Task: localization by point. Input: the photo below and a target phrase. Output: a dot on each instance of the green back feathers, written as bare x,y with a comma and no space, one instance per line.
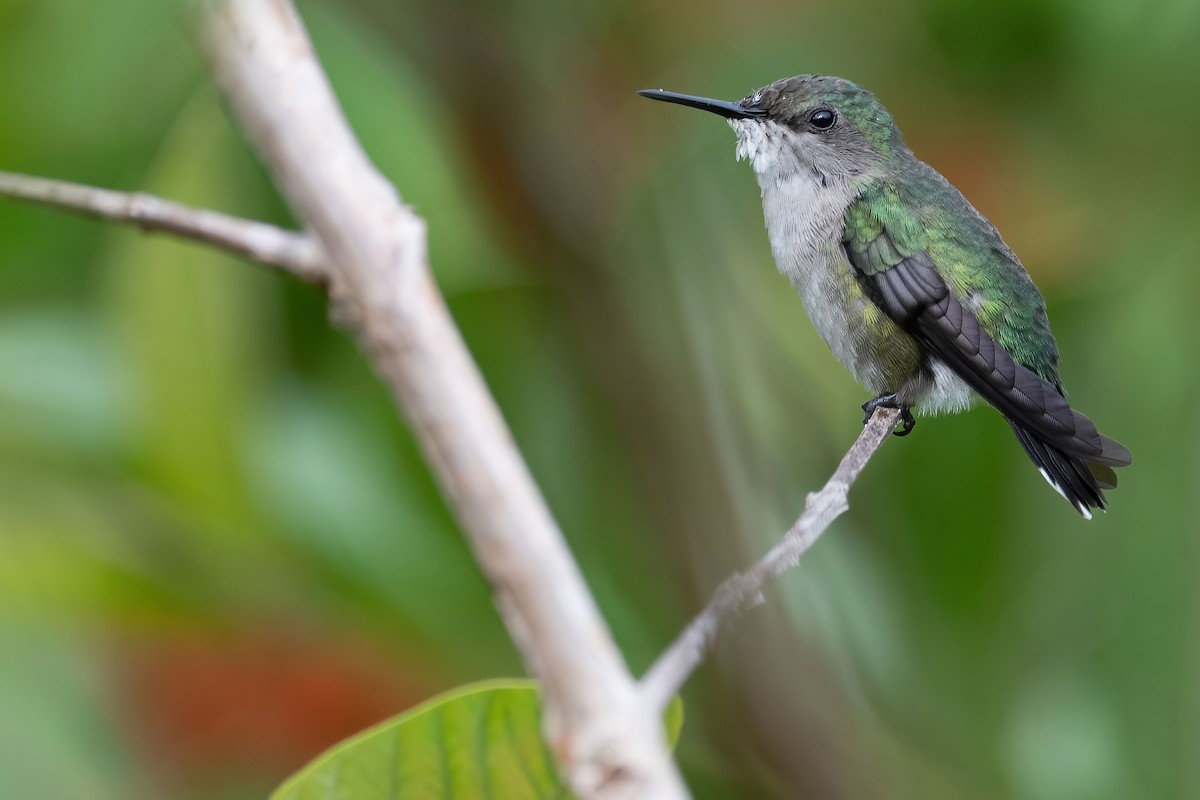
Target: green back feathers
922,212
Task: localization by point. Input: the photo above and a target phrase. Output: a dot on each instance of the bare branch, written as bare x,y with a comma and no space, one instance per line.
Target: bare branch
296,253
743,590
608,742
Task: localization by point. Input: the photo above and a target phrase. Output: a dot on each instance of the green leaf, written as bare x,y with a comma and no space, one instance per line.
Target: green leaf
478,741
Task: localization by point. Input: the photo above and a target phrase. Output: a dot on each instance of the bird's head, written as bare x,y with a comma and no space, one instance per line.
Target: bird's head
827,125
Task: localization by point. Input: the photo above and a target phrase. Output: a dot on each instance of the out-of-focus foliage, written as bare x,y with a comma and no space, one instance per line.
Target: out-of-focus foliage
220,551
477,741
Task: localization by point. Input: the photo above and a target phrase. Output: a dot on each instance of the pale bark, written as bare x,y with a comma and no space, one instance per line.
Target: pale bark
609,744
292,252
743,590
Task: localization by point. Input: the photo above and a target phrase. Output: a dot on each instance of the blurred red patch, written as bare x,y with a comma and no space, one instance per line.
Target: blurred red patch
252,705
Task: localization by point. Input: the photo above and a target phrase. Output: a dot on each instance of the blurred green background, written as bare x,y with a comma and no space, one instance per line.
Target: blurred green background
220,551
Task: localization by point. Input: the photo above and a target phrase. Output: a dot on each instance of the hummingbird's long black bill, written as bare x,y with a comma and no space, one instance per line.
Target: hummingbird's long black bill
721,107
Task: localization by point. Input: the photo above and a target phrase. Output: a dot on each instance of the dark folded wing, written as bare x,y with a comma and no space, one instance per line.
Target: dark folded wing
916,297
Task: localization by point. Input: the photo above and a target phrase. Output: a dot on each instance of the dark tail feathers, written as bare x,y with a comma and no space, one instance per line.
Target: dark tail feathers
1080,478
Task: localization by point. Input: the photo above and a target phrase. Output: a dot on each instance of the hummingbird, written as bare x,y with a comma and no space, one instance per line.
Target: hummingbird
912,289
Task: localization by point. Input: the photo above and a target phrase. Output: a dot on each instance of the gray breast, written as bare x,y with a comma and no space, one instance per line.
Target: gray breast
804,222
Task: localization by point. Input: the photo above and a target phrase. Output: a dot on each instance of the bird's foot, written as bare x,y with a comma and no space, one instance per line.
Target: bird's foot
889,401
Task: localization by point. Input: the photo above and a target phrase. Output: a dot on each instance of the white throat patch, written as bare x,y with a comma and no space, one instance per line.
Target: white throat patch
761,143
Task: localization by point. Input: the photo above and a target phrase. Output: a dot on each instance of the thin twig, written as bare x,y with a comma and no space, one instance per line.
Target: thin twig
608,742
743,590
289,251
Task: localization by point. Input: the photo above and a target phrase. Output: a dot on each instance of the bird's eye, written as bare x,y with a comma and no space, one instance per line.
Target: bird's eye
822,119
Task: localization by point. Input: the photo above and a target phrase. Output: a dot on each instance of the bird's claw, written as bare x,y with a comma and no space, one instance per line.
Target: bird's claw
907,422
